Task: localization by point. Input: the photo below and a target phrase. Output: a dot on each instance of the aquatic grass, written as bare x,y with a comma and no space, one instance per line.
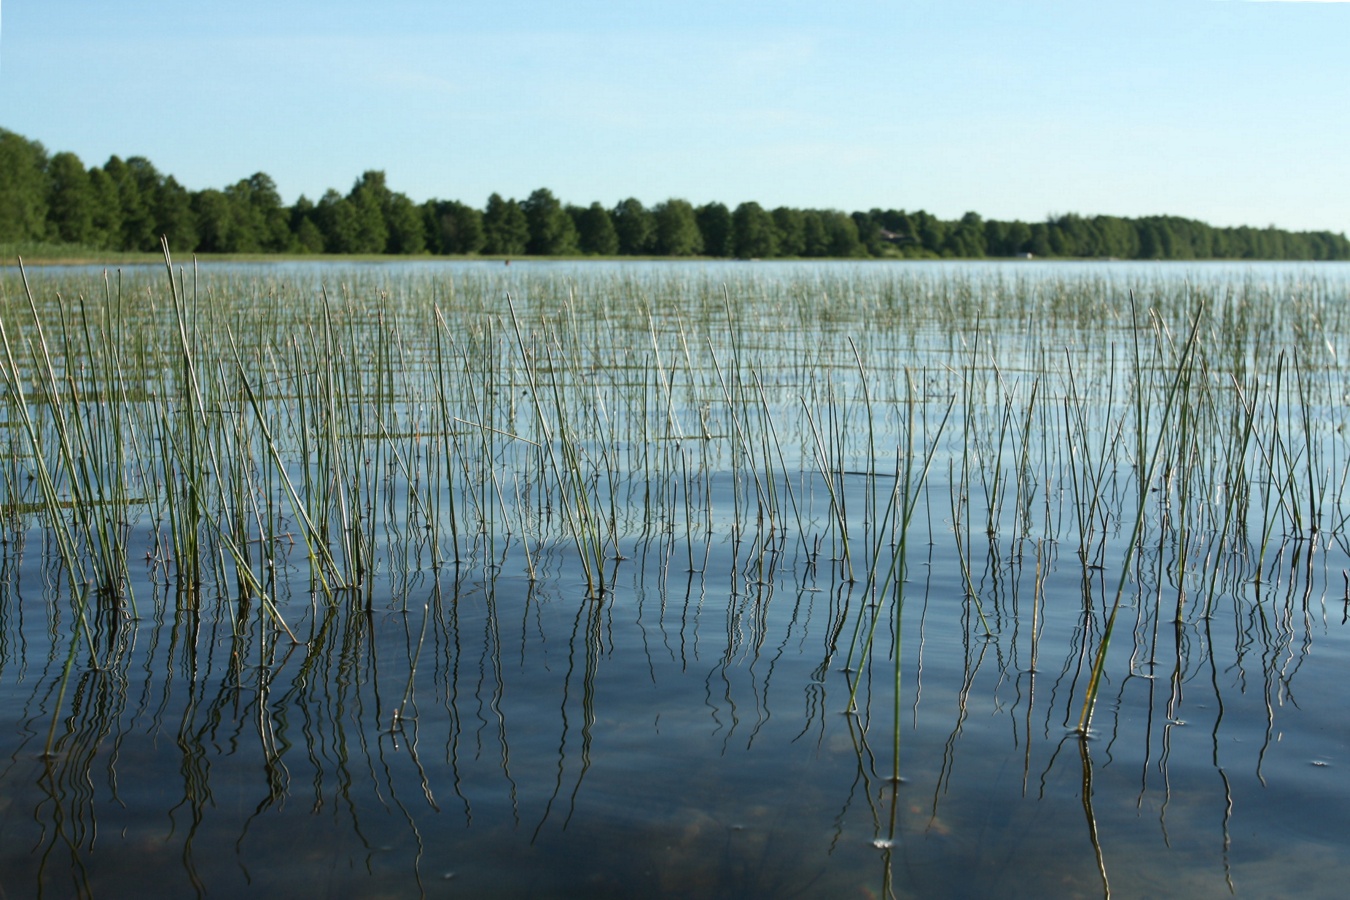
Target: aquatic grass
764,468
888,581
1146,463
401,430
70,486
567,472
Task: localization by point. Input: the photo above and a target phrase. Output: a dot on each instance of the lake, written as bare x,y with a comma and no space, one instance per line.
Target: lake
682,579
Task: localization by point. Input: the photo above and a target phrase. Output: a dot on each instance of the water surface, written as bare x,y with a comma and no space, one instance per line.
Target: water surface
811,609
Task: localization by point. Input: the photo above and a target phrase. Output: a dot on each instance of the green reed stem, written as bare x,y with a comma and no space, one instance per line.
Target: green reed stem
1145,479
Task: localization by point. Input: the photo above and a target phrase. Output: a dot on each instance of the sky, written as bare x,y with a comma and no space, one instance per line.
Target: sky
1230,111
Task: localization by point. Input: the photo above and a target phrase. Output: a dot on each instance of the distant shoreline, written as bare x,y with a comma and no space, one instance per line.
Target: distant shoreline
154,259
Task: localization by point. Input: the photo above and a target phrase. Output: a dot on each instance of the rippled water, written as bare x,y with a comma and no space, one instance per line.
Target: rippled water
717,721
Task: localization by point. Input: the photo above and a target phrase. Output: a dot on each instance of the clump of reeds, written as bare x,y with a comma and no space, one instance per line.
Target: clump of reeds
250,429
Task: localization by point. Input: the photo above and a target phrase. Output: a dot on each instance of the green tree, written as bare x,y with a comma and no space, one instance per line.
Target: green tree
551,230
1019,237
252,219
714,225
107,212
1325,244
1220,248
677,231
1150,240
137,225
1039,243
369,197
869,232
635,227
1073,235
1118,237
23,188
1063,236
453,227
307,238
264,201
815,236
171,210
996,238
931,232
595,230
842,231
791,226
899,223
900,232
70,200
505,229
336,217
966,238
141,230
407,233
431,227
215,221
246,217
754,235
1189,240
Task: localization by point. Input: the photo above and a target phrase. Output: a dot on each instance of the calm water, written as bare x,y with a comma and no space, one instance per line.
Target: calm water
717,723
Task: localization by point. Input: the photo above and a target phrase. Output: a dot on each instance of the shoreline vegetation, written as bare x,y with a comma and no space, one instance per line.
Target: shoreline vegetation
39,256
54,209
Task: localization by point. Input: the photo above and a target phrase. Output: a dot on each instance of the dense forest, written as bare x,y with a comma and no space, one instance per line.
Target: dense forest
126,205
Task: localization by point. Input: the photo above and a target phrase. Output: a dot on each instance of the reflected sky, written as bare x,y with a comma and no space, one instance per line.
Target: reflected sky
784,624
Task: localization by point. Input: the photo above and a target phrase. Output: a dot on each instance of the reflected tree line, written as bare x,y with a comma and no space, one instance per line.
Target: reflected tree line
126,205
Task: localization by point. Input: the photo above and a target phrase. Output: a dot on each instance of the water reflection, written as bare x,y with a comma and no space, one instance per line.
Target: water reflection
690,721
822,624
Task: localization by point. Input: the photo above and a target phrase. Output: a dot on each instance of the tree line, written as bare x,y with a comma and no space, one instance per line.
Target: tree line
126,205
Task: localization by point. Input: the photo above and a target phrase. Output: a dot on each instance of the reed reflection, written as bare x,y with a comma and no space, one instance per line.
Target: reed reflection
630,589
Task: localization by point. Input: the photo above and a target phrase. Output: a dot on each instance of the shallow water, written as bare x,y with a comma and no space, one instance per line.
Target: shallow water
465,729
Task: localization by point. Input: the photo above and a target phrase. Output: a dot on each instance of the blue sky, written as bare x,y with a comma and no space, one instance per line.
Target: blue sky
1229,111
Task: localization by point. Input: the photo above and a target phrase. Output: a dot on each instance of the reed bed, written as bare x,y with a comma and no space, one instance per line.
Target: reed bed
236,431
1099,460
391,428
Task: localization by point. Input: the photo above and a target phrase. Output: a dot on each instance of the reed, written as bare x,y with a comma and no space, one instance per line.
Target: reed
1148,461
383,427
361,500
